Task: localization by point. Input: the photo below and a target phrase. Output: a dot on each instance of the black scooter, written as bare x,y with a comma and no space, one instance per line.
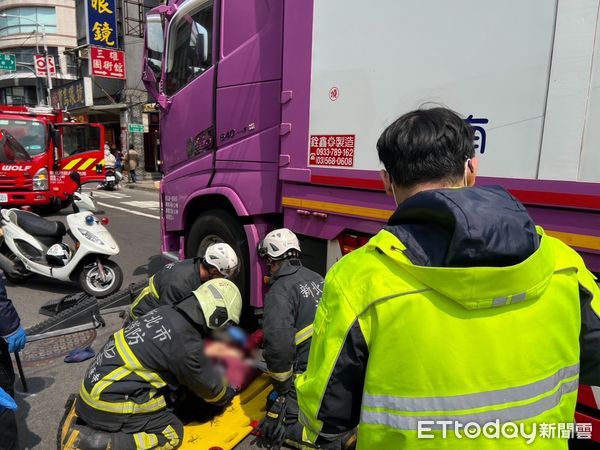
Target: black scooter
111,179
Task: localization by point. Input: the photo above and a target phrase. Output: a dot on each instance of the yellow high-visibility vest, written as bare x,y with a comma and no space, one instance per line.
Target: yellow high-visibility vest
451,347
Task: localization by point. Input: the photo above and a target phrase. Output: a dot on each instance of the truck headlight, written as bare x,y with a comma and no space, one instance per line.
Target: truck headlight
40,180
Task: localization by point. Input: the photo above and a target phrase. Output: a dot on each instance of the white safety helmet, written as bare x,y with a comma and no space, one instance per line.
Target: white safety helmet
223,258
278,243
220,301
58,255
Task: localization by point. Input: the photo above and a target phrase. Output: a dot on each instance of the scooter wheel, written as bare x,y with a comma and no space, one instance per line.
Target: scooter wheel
90,281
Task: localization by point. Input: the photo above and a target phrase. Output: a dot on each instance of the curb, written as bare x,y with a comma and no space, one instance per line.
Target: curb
138,186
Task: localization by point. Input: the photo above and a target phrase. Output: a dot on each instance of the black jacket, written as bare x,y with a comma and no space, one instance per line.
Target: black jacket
172,283
168,342
289,308
9,319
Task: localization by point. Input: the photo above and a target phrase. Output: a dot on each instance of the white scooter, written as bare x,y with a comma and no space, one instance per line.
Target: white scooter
34,245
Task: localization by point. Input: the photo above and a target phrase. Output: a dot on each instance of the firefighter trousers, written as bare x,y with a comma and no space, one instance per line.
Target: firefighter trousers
158,430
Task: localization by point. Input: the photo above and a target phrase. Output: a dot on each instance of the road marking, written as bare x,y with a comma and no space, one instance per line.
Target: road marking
129,211
101,194
150,204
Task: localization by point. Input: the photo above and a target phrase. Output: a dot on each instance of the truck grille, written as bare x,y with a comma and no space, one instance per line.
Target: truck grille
14,184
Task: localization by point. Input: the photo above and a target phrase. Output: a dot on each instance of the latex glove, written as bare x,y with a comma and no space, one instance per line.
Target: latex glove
237,335
16,341
6,401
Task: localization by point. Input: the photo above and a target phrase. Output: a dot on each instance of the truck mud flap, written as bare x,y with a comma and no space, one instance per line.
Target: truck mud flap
80,312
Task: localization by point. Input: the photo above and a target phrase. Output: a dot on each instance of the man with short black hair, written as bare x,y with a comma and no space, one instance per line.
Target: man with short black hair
460,310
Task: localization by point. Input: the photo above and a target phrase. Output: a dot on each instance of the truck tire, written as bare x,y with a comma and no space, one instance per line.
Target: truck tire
214,226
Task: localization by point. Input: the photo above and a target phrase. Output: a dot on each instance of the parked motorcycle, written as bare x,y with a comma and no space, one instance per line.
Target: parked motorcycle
33,245
111,179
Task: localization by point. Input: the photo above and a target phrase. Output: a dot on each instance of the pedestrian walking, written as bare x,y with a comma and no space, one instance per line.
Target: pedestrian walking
460,311
132,163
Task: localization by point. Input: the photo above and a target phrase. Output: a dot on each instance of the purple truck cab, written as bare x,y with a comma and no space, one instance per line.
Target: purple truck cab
270,111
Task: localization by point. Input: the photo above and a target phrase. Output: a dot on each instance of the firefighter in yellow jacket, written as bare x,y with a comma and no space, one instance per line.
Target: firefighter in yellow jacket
459,314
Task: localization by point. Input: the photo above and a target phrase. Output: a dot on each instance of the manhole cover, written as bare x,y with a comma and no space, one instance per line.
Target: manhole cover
57,346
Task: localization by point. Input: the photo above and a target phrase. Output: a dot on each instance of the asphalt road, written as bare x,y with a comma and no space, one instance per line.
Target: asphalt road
134,222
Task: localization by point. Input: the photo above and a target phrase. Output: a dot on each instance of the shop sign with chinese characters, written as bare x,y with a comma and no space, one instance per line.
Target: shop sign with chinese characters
107,63
102,23
75,95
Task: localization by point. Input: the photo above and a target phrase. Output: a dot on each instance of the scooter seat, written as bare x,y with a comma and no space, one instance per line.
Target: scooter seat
40,227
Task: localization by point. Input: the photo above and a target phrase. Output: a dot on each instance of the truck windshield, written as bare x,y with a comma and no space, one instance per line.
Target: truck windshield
31,134
11,150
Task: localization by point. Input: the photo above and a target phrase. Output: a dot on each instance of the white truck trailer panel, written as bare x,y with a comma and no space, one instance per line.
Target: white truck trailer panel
589,166
493,60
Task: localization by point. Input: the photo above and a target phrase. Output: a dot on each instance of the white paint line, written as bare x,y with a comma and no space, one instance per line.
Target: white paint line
149,204
101,194
129,211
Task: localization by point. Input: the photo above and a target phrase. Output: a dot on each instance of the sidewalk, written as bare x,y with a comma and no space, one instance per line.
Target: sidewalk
144,185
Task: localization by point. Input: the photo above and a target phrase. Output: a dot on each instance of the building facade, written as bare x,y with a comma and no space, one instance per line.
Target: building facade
21,24
120,103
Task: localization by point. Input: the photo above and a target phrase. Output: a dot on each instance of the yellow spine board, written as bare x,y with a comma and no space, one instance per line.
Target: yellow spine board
230,428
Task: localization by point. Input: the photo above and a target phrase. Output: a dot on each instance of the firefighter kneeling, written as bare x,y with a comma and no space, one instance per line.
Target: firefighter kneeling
122,397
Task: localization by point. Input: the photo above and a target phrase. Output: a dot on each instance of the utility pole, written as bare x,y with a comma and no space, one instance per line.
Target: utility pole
47,59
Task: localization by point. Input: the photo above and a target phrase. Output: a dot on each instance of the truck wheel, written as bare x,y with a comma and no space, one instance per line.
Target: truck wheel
90,282
215,226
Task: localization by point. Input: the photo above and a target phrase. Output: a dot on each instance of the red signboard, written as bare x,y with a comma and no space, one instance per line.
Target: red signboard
332,150
40,65
107,63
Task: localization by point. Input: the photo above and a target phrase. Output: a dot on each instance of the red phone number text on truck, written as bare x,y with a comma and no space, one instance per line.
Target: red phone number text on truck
332,150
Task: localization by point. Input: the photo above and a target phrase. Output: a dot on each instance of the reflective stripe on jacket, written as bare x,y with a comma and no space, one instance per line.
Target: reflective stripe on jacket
396,344
162,350
289,311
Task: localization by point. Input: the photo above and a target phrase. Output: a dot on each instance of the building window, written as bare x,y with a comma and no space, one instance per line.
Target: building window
18,95
24,20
